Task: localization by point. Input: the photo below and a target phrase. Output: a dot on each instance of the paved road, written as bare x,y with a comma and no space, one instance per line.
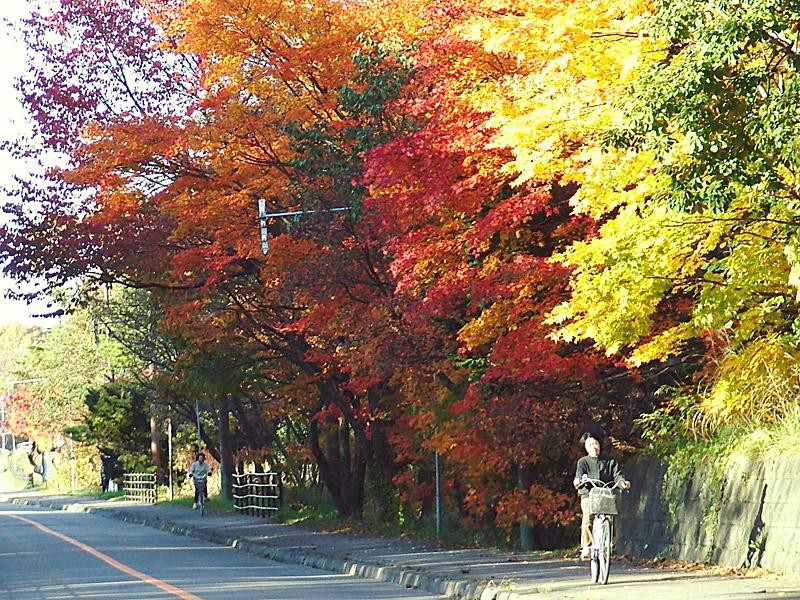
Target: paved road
195,565
41,559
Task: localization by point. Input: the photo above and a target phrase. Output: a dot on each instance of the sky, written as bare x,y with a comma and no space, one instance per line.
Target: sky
13,122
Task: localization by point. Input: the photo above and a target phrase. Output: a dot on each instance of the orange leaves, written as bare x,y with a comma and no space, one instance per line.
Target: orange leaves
537,505
419,314
287,52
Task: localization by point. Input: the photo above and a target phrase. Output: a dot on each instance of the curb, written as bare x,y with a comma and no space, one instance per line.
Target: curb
408,578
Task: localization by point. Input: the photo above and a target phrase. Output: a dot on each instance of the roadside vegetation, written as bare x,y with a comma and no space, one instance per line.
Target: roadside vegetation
508,224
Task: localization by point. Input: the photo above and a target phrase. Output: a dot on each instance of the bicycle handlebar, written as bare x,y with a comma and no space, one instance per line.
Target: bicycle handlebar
598,483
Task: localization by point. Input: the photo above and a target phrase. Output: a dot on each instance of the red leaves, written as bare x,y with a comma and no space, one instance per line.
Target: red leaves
330,413
471,256
420,317
513,215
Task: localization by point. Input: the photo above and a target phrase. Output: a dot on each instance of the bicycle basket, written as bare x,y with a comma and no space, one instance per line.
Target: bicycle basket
602,501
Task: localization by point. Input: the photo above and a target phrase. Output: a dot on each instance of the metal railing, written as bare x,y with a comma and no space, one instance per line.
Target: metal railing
257,494
140,487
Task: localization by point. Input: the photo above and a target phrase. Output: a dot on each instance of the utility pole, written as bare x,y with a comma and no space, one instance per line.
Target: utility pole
169,450
438,498
197,417
264,216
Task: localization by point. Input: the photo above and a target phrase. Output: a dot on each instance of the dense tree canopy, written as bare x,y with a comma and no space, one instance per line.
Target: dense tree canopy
545,211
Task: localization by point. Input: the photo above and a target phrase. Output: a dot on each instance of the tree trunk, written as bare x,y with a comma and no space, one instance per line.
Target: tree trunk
225,449
211,447
524,481
344,479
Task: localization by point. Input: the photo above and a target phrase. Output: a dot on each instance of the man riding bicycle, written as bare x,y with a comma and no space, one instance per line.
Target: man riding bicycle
593,466
199,472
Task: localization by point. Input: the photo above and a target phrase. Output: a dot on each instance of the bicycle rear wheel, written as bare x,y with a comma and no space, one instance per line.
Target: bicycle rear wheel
604,553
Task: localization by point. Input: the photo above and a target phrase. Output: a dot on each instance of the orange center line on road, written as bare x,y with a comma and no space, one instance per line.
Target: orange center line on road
162,585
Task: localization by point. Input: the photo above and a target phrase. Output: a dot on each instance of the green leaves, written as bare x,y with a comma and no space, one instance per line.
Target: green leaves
702,252
118,423
721,111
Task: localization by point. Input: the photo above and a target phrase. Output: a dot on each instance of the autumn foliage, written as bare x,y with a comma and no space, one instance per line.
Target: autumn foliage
504,264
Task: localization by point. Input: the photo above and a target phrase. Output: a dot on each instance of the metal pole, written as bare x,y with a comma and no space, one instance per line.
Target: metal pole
72,465
263,216
438,500
262,222
3,420
169,450
197,415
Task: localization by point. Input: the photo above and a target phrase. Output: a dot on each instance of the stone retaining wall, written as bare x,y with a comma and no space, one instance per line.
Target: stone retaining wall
754,522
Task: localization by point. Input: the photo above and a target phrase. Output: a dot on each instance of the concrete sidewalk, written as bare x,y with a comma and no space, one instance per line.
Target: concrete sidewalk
471,573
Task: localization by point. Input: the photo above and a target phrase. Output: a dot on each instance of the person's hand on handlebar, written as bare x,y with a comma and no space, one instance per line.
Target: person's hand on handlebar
579,482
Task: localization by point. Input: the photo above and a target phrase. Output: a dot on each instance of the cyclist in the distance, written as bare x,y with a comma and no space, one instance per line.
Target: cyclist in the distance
199,472
593,466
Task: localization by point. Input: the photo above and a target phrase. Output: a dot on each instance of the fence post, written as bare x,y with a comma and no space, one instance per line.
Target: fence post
235,491
263,500
273,491
250,509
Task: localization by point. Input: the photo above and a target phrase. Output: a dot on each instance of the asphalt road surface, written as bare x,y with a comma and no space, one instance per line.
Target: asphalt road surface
54,555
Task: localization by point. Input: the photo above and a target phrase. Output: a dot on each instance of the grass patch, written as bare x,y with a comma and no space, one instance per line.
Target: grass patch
453,534
9,483
96,494
216,503
777,439
311,507
320,517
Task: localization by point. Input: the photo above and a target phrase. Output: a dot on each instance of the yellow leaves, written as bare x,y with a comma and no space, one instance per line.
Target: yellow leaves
792,253
490,325
397,21
757,384
436,263
611,178
574,59
620,277
664,345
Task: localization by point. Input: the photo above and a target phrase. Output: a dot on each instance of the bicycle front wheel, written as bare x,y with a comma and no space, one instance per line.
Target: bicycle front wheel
597,537
604,553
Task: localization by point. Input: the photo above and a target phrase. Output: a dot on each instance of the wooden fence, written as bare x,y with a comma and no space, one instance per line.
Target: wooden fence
140,487
257,494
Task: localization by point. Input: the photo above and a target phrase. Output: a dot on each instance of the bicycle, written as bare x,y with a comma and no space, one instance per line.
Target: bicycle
603,505
200,486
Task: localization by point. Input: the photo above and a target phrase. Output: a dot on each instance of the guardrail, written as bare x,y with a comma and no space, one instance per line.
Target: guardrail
140,487
257,494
